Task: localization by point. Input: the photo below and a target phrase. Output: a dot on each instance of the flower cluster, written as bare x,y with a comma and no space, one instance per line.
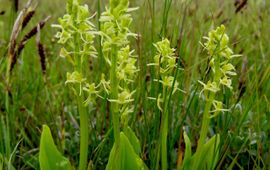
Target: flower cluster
77,35
115,26
77,22
222,69
115,23
165,60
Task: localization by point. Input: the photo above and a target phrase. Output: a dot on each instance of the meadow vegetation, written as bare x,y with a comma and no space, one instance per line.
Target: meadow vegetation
125,84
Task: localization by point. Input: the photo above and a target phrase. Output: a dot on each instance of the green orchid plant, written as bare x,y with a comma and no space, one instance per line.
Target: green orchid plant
76,29
115,23
217,46
165,63
77,35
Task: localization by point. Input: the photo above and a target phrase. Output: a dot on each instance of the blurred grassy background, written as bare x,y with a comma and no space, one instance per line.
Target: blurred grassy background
43,99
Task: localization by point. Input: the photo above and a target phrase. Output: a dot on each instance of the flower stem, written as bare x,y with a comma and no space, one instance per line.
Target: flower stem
204,130
206,116
164,133
84,129
114,95
83,134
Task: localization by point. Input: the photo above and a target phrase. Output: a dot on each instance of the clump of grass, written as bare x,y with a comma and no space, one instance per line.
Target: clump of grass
14,50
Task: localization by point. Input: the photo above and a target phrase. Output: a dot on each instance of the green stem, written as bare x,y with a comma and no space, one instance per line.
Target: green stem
8,83
114,95
206,120
153,26
206,116
84,131
164,133
7,105
100,54
204,130
166,10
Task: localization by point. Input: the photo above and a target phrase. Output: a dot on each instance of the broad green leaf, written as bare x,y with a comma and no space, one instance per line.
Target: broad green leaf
209,157
210,153
188,146
213,150
134,141
49,157
187,163
123,157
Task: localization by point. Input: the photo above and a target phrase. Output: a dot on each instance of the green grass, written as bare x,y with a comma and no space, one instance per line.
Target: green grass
38,99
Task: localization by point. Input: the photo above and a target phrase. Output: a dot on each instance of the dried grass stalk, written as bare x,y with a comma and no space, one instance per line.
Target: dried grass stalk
41,51
17,27
25,39
27,18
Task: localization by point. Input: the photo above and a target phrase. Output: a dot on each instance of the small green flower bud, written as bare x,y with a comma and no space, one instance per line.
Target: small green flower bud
226,82
228,69
210,86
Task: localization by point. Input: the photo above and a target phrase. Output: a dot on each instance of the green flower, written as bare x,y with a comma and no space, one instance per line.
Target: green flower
221,54
115,23
217,41
218,107
67,55
77,21
126,64
105,85
75,77
124,97
76,28
210,86
118,7
164,49
228,69
165,60
92,92
226,82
